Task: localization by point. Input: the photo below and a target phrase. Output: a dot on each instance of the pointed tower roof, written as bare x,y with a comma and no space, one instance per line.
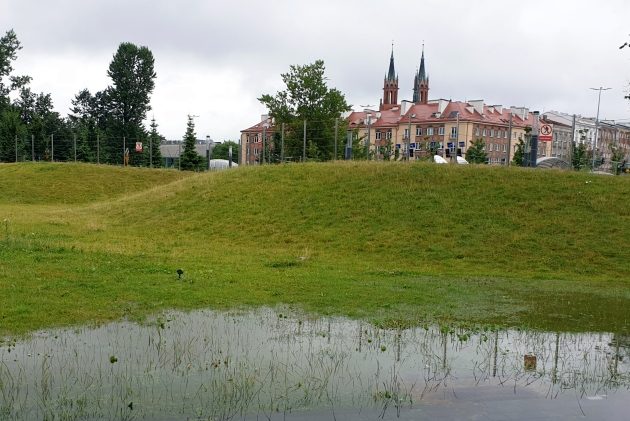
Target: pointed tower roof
391,75
422,72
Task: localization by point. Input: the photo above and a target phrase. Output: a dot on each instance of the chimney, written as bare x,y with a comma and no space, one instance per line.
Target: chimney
478,105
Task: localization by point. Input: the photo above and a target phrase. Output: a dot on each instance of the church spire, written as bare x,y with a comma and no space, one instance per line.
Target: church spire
390,86
421,83
422,73
391,75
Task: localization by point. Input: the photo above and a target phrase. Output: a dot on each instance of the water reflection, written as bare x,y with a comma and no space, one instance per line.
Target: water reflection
269,365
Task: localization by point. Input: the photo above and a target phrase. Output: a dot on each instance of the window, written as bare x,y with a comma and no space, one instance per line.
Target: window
418,131
453,132
504,148
441,131
505,134
489,146
496,146
484,132
388,135
429,131
476,131
406,134
378,135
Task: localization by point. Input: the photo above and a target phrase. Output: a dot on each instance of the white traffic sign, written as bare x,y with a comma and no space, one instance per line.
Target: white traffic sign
545,133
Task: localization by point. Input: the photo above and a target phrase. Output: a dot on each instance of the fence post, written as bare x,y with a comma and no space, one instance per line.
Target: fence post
282,145
304,146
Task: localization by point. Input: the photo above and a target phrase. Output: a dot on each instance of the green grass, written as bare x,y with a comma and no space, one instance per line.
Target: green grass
394,243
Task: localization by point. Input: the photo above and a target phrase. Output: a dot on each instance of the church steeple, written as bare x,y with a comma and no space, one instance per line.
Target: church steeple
421,84
390,86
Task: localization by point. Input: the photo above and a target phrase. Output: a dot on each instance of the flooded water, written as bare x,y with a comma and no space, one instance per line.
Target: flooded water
263,365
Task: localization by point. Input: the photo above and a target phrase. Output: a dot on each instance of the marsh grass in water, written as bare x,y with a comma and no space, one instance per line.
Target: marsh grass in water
243,365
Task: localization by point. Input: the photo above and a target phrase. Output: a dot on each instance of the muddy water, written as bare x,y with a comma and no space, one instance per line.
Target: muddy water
270,365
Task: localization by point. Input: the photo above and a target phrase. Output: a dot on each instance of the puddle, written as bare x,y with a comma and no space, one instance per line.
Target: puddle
210,365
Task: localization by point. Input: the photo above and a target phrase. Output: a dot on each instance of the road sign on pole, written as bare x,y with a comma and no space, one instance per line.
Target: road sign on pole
545,133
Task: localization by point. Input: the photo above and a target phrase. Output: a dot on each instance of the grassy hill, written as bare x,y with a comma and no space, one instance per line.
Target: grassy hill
395,243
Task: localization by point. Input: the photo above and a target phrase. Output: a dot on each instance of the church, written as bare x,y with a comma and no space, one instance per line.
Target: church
416,129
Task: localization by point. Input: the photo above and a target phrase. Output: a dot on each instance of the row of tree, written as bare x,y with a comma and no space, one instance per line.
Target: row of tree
101,127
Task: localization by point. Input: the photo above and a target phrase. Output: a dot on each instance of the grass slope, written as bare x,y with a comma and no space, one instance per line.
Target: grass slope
392,242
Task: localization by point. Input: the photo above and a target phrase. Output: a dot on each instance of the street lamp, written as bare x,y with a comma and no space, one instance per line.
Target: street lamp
599,98
264,141
408,144
368,119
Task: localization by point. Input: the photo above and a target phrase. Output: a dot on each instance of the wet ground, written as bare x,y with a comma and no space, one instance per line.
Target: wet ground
265,365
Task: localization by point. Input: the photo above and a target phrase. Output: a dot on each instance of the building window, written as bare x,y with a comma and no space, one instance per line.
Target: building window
406,134
476,131
418,131
505,134
489,146
453,132
378,135
484,132
388,135
429,131
441,131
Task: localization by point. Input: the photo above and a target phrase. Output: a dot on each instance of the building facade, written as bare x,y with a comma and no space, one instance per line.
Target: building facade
418,128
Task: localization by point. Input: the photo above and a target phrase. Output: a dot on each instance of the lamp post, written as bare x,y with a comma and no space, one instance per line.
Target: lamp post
208,150
599,98
368,118
264,141
408,144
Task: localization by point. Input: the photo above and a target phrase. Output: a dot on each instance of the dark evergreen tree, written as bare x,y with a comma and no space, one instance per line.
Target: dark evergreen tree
127,100
190,160
476,153
153,156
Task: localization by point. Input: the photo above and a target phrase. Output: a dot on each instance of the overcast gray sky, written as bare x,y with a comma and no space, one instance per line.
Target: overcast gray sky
215,58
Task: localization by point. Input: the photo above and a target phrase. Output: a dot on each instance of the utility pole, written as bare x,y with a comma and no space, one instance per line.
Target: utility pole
509,139
599,98
456,145
367,144
264,142
572,145
533,156
336,129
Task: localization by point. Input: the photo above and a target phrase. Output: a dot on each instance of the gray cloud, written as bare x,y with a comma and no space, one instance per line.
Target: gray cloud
538,53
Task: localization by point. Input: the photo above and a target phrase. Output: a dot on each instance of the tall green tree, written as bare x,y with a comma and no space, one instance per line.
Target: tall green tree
190,160
617,159
153,156
308,98
221,151
519,153
579,156
476,153
127,100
